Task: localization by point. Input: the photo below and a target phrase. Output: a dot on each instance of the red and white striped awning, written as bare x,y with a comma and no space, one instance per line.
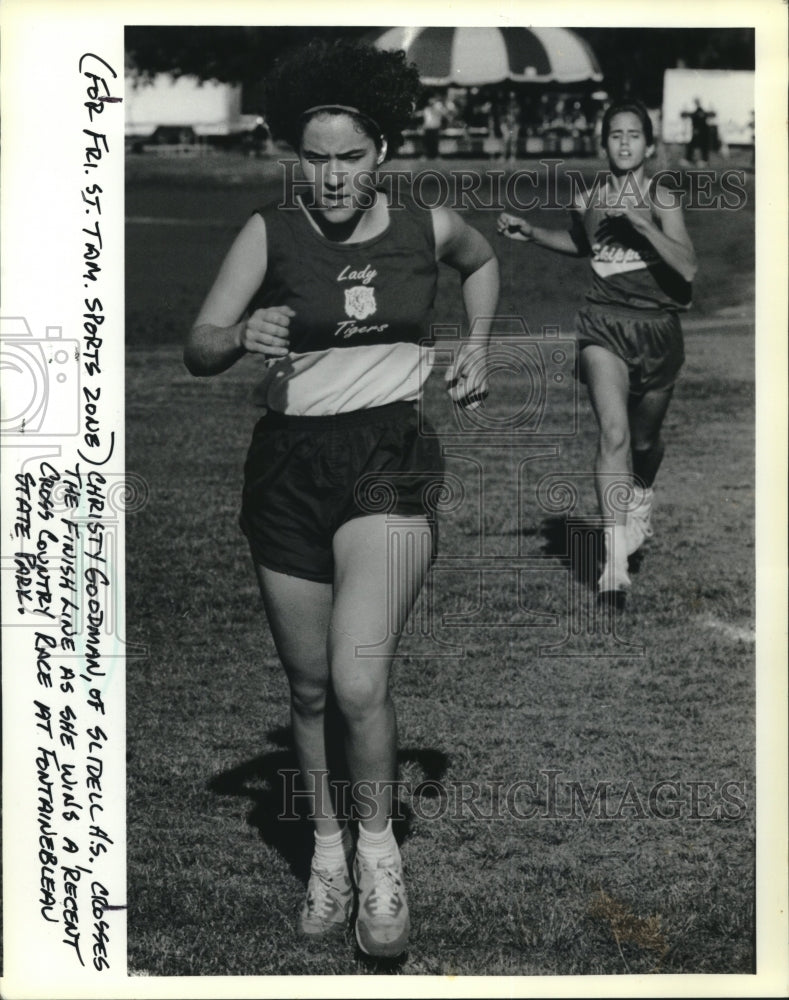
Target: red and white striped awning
469,57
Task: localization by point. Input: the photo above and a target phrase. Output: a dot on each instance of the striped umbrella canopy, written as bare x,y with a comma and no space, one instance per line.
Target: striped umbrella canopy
473,57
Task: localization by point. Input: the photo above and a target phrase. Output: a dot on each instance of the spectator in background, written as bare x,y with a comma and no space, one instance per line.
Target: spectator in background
698,148
580,129
432,120
259,138
452,114
511,128
492,142
580,124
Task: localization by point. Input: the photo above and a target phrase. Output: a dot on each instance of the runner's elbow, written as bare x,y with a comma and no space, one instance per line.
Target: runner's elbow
192,363
193,357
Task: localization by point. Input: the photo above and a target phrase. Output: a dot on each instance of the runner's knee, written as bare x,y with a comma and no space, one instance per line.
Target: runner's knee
359,693
614,438
308,700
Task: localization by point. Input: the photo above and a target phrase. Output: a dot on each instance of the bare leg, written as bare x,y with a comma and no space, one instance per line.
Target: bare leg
607,380
299,612
380,565
646,418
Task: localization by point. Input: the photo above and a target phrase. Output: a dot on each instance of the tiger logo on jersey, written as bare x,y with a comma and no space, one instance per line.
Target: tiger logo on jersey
360,302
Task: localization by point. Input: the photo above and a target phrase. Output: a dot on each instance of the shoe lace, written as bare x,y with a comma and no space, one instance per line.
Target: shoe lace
319,893
385,896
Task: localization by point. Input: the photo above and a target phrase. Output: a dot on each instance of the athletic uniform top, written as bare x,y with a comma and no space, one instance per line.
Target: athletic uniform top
361,311
627,272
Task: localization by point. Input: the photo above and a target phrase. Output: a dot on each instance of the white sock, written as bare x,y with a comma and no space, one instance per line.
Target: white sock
618,555
374,846
333,850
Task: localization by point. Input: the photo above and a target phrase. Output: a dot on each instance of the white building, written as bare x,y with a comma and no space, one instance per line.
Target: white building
728,94
207,108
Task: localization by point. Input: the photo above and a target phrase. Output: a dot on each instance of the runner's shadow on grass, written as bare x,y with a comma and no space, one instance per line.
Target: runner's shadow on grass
578,544
280,813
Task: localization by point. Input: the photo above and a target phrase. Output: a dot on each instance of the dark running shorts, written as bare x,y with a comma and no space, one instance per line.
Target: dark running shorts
652,347
305,477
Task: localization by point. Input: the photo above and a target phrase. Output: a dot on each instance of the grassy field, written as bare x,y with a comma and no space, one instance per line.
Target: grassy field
654,707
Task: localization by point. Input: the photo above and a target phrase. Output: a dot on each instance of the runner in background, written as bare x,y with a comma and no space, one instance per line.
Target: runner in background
629,334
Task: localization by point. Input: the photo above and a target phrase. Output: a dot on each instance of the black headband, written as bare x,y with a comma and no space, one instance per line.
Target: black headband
348,110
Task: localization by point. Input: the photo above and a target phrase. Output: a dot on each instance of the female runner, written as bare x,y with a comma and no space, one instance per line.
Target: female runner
629,334
331,293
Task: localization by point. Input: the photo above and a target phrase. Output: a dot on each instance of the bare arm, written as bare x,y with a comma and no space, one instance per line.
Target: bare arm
467,251
670,239
219,336
561,240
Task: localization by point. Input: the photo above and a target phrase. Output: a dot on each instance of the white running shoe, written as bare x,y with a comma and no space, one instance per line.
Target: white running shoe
614,578
382,923
327,908
639,519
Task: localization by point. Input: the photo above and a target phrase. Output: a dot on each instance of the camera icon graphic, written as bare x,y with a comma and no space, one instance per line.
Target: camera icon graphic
531,380
40,381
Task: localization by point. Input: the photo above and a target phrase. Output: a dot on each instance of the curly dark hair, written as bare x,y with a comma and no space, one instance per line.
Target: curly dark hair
635,107
382,85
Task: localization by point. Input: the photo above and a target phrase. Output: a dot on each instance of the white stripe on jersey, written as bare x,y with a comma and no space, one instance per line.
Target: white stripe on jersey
605,268
338,380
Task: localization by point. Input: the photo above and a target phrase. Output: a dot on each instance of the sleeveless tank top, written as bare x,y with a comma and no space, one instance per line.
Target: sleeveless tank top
361,312
627,272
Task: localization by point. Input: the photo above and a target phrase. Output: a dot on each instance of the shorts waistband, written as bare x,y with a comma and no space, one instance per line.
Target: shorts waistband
389,413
